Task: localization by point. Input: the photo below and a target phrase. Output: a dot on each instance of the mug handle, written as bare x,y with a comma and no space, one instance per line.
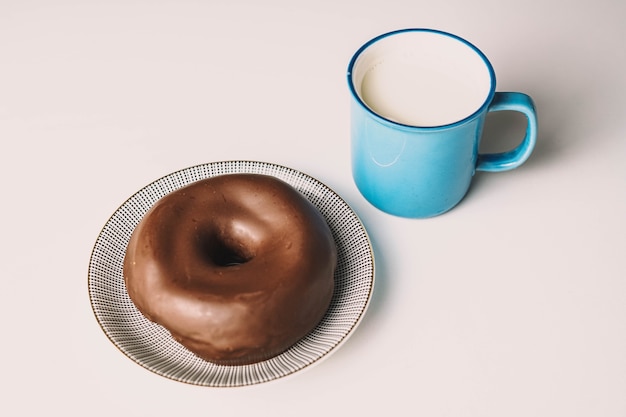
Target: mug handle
505,161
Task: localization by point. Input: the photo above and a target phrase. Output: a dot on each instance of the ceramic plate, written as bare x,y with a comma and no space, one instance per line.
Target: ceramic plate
152,347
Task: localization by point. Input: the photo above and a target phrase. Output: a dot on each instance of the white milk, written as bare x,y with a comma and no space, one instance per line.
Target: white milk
422,79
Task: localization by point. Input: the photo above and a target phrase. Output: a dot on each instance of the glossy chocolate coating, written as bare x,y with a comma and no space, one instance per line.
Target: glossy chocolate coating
237,267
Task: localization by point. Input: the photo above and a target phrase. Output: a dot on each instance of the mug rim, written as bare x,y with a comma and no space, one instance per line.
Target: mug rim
384,120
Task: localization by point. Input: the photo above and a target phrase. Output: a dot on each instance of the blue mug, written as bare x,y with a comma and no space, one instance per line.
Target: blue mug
419,102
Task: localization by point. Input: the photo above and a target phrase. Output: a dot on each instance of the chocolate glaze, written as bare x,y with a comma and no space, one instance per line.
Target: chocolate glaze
237,267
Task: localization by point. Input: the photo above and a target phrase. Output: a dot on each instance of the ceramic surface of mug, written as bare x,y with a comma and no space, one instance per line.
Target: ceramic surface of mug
419,101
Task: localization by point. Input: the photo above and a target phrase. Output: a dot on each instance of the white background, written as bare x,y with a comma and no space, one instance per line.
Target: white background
512,304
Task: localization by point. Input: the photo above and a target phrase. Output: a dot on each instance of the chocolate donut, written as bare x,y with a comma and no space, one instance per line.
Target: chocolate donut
236,267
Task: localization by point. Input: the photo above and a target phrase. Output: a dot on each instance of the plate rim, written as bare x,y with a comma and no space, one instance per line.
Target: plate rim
371,278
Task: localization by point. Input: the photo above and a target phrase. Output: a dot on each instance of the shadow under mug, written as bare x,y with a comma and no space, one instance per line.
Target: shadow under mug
419,98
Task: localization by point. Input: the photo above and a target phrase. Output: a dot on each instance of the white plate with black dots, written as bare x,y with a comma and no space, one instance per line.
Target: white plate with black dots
152,347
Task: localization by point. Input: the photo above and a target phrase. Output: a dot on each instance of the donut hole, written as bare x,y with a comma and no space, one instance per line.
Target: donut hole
224,251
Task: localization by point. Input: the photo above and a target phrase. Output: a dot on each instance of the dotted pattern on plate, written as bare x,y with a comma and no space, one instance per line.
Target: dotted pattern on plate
152,347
